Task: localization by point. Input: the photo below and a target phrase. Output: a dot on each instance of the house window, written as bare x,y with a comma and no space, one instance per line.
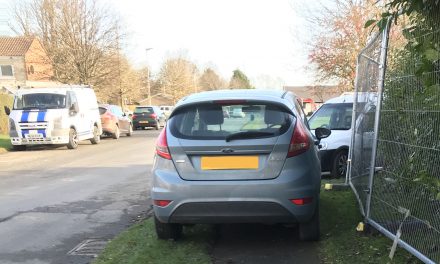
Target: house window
6,71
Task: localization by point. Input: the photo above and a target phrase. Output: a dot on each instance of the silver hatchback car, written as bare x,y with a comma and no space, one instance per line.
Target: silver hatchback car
261,167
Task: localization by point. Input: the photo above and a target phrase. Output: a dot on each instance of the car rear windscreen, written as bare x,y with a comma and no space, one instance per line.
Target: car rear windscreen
140,110
215,121
102,110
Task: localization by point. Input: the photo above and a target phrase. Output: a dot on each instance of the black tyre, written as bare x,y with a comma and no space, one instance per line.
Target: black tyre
117,133
339,165
130,130
96,137
73,139
310,231
167,230
157,127
19,147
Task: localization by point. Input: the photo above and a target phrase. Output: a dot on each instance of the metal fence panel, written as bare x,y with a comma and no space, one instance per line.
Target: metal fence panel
364,107
402,178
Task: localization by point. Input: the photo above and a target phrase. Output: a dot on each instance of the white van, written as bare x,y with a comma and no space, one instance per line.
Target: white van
336,114
61,116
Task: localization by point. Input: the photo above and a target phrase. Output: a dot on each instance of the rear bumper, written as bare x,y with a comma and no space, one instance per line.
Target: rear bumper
231,212
108,128
139,123
250,201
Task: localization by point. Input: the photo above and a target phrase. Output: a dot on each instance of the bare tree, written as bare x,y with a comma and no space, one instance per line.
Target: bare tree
210,80
340,35
79,36
178,78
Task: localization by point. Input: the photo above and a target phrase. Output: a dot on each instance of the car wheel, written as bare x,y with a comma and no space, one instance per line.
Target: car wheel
167,230
73,139
157,127
19,147
96,137
130,130
117,133
310,231
339,167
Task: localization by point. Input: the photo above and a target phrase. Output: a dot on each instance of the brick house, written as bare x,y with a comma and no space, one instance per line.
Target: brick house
24,62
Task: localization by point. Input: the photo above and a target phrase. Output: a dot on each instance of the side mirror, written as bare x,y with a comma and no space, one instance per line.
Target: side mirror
322,132
74,108
7,110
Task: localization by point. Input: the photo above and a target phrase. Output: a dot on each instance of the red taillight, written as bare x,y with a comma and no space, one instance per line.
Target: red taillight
162,203
153,116
300,142
302,201
106,116
162,145
134,116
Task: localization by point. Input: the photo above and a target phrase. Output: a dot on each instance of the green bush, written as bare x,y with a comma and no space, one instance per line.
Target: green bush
5,100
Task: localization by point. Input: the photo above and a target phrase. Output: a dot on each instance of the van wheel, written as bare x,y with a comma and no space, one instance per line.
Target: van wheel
310,231
73,139
167,230
130,130
96,137
339,166
117,133
19,147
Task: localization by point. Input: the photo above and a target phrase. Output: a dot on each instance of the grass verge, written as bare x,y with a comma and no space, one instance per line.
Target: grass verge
139,244
5,143
341,243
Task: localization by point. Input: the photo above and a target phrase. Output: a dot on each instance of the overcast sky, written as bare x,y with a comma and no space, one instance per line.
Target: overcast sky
260,37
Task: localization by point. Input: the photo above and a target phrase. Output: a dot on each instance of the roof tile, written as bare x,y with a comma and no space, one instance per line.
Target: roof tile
15,46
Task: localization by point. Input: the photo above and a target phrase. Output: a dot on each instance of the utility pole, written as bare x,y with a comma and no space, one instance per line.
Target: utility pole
148,79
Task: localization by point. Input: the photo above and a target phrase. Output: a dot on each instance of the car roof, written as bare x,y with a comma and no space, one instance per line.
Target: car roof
348,97
236,94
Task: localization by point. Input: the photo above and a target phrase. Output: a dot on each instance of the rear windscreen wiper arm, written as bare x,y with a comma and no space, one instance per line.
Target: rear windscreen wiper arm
248,134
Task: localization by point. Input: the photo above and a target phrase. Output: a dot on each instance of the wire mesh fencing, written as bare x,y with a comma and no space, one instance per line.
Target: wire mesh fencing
364,108
395,152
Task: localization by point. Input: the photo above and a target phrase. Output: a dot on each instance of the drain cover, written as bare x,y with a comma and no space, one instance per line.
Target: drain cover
89,247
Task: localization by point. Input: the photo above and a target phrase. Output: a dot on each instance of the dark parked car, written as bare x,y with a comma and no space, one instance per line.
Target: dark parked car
148,116
260,167
114,121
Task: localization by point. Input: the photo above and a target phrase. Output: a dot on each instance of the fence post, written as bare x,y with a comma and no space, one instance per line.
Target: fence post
380,86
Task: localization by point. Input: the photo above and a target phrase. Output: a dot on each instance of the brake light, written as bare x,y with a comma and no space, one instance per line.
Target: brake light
162,203
230,102
153,116
134,116
300,142
162,145
106,116
302,201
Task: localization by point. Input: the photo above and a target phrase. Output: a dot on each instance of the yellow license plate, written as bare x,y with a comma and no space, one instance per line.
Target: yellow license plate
229,163
143,122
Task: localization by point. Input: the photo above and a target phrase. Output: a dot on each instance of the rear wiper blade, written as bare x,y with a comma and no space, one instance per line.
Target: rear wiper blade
248,134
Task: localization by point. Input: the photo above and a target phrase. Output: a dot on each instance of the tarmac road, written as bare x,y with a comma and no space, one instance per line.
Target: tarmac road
54,199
